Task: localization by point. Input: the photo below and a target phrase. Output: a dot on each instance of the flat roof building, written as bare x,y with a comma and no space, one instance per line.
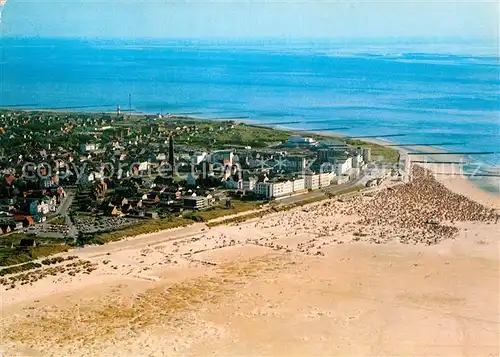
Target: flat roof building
195,203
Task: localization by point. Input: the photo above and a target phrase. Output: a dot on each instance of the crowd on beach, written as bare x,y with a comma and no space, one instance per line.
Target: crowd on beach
424,199
421,211
424,206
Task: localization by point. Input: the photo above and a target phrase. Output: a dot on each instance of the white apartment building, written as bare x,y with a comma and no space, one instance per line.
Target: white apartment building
325,178
315,181
274,189
299,184
341,167
312,181
282,188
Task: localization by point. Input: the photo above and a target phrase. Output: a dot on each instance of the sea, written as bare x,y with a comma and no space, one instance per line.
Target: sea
443,93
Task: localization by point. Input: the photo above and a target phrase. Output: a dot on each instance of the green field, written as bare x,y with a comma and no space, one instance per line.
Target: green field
12,256
219,211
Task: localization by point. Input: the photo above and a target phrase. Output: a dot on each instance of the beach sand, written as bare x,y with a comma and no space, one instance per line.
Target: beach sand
450,176
361,276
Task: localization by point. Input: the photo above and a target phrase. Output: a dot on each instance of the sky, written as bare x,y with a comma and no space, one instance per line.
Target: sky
283,19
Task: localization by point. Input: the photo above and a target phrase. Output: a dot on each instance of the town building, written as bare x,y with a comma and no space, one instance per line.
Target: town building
311,181
26,220
274,189
299,184
367,155
198,157
296,163
234,182
297,141
357,160
112,211
325,178
224,157
191,179
343,165
152,215
262,189
89,147
314,181
46,182
195,203
331,154
249,184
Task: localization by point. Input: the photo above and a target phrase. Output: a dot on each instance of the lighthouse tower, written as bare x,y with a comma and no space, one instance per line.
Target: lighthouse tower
118,110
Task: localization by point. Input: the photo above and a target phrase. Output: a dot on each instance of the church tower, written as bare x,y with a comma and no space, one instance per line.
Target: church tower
171,159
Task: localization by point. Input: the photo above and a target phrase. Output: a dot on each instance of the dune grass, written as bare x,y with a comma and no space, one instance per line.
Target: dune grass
9,256
91,322
219,211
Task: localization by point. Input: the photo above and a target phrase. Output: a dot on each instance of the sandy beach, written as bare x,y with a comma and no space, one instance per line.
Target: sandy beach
329,171
412,270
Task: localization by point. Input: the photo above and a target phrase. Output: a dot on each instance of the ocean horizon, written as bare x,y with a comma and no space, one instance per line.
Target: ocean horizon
428,93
